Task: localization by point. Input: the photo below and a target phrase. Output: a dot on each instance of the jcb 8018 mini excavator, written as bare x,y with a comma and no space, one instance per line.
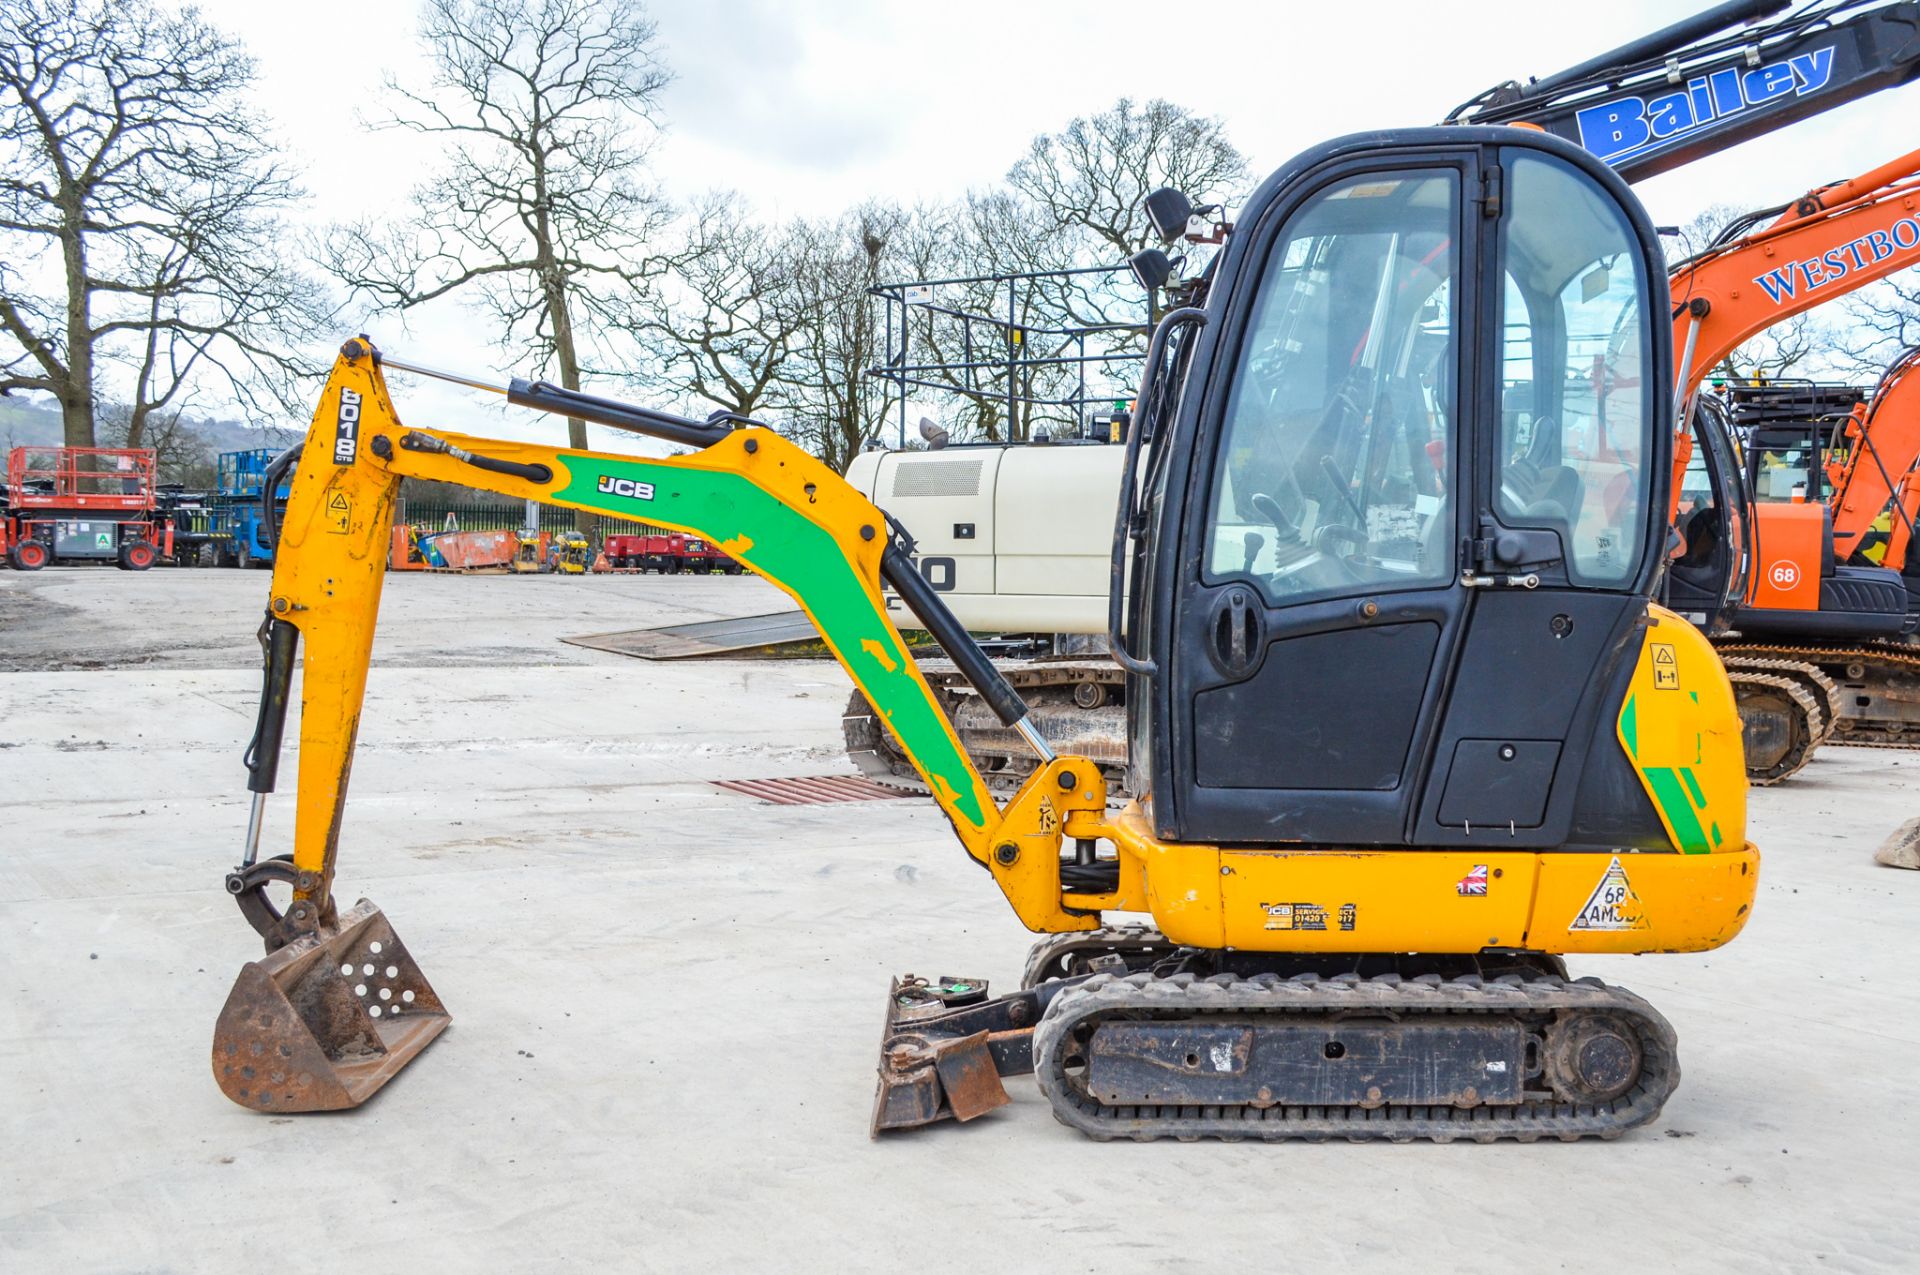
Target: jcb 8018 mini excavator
1405,726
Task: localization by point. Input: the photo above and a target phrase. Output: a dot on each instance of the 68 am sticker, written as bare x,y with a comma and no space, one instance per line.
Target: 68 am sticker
1613,905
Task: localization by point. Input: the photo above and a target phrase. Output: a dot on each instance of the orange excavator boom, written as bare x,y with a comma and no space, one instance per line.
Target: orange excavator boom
1879,469
1830,242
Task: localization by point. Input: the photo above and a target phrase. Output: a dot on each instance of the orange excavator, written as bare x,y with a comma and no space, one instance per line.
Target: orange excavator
1812,641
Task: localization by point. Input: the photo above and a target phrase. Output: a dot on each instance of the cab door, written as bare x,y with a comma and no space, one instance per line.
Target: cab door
1352,588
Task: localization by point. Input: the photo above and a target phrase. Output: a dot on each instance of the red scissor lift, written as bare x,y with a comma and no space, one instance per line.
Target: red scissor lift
82,504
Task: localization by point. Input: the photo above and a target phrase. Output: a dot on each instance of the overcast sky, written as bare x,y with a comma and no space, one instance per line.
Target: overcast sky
810,106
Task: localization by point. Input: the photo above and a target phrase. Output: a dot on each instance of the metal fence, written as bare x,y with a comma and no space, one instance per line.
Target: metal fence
431,517
1005,340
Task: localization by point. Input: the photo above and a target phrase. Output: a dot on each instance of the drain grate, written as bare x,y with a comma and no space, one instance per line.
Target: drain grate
811,790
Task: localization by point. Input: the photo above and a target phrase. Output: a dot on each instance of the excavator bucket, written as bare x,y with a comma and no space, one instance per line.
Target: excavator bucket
325,1021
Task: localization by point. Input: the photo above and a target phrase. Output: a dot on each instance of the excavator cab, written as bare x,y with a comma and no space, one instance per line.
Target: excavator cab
1805,587
1402,522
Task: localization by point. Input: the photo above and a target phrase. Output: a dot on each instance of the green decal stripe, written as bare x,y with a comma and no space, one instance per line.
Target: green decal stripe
803,558
1630,727
1715,830
1693,787
1670,794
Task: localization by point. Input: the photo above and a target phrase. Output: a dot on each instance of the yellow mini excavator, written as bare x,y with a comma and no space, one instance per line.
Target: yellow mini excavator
1405,726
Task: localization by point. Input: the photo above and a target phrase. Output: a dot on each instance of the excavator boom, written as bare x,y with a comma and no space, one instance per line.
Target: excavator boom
1833,240
337,1001
1882,466
1712,81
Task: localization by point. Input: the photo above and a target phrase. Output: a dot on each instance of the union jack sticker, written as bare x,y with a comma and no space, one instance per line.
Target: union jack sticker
1475,882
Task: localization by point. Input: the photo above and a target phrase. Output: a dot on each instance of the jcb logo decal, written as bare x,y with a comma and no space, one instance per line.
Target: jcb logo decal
625,487
346,428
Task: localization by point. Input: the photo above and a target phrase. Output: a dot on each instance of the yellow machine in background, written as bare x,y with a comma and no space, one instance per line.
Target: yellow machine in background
571,554
526,553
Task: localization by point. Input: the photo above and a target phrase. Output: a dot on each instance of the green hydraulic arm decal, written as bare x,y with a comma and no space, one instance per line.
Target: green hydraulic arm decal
1674,789
803,558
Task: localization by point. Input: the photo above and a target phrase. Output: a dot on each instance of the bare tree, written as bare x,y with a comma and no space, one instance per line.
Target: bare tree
181,453
823,390
723,322
1073,204
137,216
1885,323
541,211
1092,178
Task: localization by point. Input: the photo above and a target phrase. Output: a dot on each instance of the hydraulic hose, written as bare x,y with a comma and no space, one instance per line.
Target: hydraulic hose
269,492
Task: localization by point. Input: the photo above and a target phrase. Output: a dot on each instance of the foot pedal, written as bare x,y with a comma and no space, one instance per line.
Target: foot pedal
323,1023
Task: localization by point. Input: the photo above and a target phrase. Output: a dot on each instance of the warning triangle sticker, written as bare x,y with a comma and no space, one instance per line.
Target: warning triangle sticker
1663,655
1613,905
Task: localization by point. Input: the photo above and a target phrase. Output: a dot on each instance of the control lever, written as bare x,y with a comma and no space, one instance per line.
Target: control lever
1269,508
1338,478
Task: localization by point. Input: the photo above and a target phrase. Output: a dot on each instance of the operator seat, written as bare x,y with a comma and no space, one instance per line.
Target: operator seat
1695,578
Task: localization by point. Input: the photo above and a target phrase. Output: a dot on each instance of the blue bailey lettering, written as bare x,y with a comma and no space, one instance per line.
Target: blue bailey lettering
1797,278
1628,126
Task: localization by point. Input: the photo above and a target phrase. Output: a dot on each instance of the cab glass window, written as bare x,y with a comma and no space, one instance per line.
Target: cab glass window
1333,467
1575,409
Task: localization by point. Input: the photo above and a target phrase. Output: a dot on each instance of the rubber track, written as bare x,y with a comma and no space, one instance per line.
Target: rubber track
873,752
1825,690
1900,656
1184,996
1042,956
1809,733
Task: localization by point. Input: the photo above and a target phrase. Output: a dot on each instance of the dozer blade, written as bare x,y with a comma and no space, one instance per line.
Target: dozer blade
1901,849
325,1021
935,1063
947,1045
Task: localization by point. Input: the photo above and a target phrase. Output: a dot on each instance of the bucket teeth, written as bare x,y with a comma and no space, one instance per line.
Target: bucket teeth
324,1022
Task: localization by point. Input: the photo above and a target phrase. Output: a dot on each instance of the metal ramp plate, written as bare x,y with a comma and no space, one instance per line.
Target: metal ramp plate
744,635
811,790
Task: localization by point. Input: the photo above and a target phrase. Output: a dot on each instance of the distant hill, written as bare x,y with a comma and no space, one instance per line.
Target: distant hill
29,424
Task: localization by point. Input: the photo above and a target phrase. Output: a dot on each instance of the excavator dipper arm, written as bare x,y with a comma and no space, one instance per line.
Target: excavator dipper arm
761,499
1883,438
337,1002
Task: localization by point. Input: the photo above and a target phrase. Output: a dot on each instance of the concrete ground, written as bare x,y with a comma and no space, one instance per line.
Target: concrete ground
667,997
